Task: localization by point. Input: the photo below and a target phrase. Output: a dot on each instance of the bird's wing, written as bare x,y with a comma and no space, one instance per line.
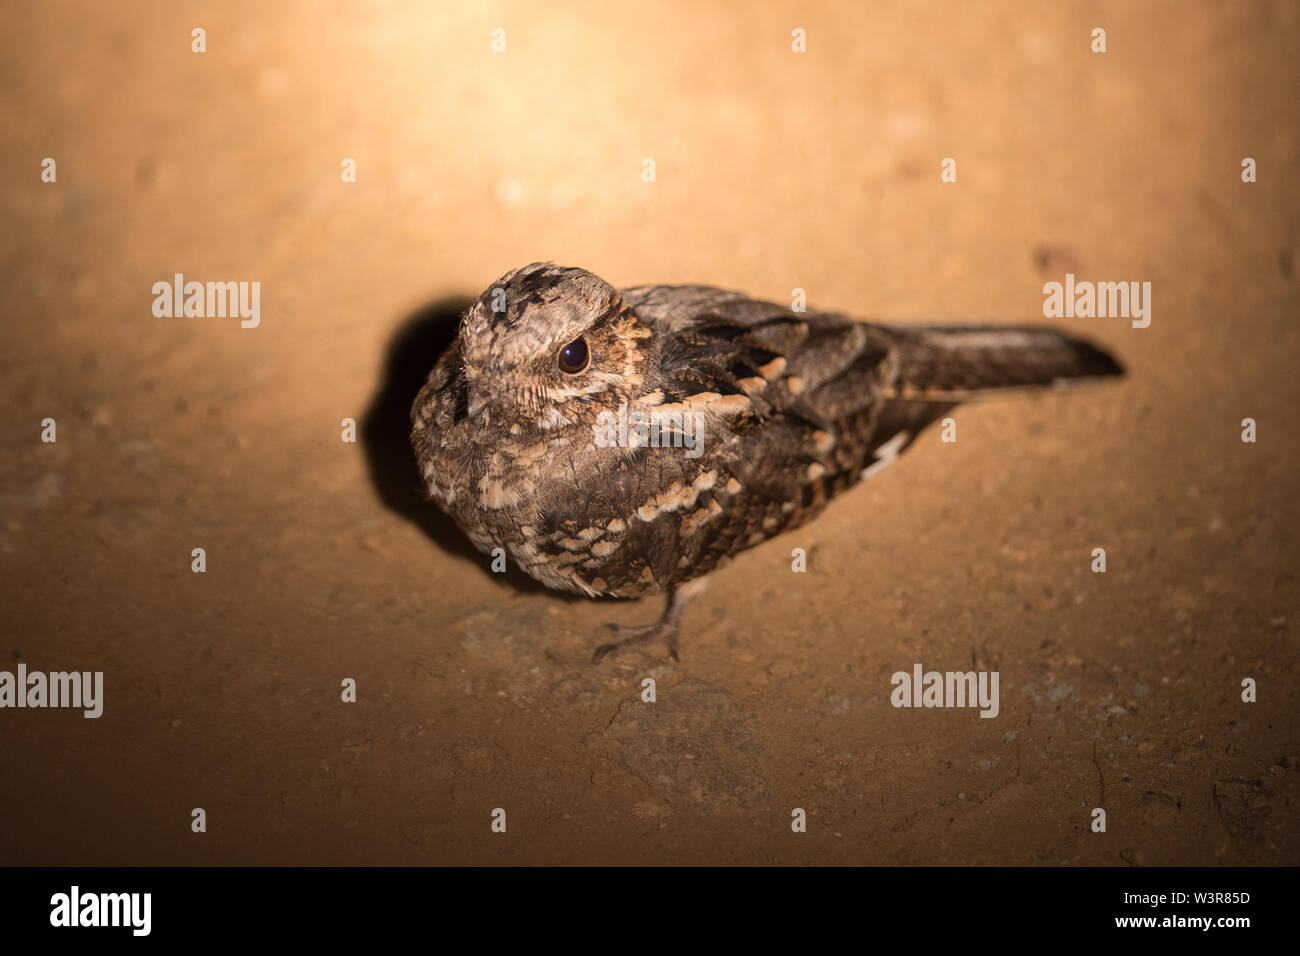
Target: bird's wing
826,399
807,384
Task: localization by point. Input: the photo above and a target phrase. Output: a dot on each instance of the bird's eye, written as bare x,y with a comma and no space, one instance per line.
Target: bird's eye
574,357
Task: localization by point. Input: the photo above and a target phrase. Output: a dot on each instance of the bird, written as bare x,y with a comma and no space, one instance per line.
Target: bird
619,443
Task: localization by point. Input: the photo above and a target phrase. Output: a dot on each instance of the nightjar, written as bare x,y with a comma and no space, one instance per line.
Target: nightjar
621,442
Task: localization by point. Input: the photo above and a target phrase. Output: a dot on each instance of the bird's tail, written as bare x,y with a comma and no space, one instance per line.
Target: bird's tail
960,363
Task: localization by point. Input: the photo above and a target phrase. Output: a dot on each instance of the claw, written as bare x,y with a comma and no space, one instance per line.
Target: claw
665,629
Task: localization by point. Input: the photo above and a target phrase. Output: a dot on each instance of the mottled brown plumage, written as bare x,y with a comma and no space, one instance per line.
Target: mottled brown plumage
794,407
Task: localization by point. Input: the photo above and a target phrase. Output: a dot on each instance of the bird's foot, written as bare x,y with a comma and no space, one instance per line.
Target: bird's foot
667,631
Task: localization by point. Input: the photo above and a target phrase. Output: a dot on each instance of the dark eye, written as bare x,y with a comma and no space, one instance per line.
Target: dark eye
574,356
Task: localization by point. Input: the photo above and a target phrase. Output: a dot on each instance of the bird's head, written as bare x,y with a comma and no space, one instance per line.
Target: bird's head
544,345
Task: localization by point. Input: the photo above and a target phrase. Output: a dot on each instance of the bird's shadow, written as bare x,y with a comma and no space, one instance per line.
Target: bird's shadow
413,349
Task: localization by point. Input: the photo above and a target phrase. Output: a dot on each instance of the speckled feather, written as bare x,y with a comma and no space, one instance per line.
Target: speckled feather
795,406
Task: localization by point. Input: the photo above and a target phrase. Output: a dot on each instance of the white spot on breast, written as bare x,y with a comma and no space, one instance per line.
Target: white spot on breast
493,494
676,497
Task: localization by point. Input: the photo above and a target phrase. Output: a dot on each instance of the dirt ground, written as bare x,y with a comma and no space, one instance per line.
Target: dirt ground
774,170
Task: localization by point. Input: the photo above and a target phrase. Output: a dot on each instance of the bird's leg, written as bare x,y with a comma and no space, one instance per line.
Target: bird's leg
666,628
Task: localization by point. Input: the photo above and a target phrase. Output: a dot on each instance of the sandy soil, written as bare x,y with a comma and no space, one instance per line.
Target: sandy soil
775,170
